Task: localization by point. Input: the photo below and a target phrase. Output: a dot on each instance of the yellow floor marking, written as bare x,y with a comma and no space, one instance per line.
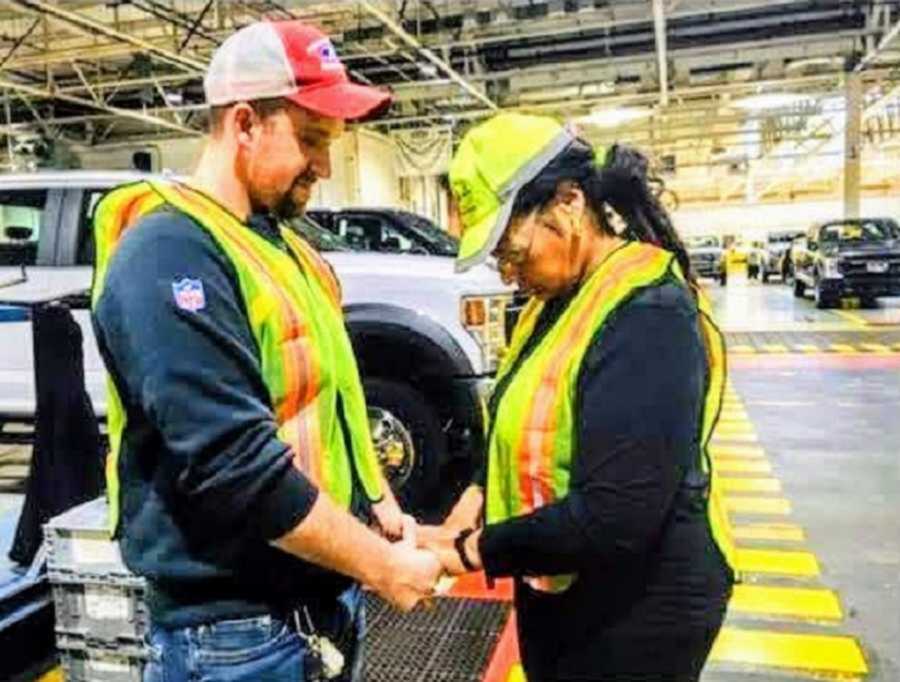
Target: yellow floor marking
814,653
842,348
771,506
774,348
55,675
895,346
742,466
806,347
728,484
734,426
737,451
741,349
875,347
781,532
777,561
731,435
516,674
857,320
803,603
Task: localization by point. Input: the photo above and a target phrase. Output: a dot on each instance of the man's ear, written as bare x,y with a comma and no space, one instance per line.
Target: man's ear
243,120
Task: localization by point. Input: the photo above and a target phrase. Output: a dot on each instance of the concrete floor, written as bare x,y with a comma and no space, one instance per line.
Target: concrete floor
830,426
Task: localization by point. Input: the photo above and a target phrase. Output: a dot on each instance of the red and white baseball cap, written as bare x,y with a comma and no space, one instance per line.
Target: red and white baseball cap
288,59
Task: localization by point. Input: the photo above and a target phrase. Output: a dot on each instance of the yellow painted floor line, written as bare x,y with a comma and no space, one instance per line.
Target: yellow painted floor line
742,466
728,484
771,506
734,436
830,654
741,349
806,347
774,348
804,603
858,320
895,346
842,348
875,347
54,675
737,451
734,427
775,532
777,561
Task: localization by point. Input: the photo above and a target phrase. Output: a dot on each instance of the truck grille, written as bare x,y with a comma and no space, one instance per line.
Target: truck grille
859,266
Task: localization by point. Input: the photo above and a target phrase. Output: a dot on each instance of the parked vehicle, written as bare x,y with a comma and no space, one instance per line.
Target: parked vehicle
776,255
427,340
707,257
848,258
387,230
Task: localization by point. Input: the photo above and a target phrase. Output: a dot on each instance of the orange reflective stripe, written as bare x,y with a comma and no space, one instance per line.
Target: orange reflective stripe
537,448
316,264
300,375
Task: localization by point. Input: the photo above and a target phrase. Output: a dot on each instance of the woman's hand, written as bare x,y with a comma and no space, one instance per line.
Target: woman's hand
389,516
441,541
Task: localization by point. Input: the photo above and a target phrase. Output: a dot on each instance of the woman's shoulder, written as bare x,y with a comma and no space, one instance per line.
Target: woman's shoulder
670,294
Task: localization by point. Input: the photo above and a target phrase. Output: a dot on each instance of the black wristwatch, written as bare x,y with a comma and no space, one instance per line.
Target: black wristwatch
460,544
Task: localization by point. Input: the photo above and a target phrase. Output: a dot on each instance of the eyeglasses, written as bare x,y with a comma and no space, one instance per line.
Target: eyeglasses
515,247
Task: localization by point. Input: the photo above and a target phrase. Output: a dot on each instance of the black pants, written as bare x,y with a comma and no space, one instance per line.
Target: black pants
554,651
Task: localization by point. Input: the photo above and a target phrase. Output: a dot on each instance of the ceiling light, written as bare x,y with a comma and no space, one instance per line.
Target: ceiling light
771,100
611,118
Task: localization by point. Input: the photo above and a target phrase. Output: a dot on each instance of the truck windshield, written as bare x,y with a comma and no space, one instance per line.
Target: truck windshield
860,231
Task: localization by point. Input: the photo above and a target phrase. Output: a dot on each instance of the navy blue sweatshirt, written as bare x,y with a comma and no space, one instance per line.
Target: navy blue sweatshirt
631,529
206,484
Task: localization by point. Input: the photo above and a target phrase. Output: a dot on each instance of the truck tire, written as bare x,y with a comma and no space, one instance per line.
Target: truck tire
799,288
823,302
402,419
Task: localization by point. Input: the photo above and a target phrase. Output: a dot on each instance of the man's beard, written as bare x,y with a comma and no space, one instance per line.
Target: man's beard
285,207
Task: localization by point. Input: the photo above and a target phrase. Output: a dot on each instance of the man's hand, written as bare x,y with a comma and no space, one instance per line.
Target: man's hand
412,576
389,517
467,512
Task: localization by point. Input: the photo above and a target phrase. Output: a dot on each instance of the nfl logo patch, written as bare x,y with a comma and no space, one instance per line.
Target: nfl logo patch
189,294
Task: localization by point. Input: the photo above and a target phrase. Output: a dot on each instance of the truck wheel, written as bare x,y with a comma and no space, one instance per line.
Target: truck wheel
765,276
799,288
408,439
823,301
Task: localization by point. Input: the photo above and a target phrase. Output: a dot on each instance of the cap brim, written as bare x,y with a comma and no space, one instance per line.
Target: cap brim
478,241
346,101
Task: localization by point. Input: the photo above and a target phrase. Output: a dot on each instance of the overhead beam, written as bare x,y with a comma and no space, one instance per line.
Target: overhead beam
92,27
117,111
873,54
662,61
412,42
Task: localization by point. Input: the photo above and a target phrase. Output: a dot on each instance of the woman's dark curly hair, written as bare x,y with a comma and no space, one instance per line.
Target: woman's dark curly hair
622,182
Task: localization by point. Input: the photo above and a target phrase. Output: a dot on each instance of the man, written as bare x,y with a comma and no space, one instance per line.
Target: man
239,439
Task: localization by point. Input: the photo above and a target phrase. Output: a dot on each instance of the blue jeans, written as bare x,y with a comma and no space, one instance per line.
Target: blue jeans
256,649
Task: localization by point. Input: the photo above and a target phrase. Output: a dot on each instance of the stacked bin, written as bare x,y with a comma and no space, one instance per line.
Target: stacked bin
101,617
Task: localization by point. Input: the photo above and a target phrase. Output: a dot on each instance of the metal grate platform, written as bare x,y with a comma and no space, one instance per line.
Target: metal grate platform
452,642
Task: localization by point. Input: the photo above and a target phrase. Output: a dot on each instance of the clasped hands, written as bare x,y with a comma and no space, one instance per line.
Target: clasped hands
422,555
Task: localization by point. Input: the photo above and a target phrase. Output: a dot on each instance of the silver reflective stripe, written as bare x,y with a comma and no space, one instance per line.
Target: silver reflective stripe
507,194
536,164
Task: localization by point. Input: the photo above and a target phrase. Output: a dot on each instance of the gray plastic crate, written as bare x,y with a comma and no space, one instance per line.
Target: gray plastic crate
111,611
79,542
84,662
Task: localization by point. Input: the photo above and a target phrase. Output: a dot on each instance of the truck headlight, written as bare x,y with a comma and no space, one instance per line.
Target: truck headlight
831,268
484,317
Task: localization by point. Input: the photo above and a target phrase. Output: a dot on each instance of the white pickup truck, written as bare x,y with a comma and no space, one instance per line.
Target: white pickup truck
427,340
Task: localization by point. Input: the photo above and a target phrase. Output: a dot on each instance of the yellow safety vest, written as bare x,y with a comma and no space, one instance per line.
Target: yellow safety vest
530,450
293,302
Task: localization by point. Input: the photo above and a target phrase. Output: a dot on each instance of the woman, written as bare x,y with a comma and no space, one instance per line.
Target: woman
595,494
